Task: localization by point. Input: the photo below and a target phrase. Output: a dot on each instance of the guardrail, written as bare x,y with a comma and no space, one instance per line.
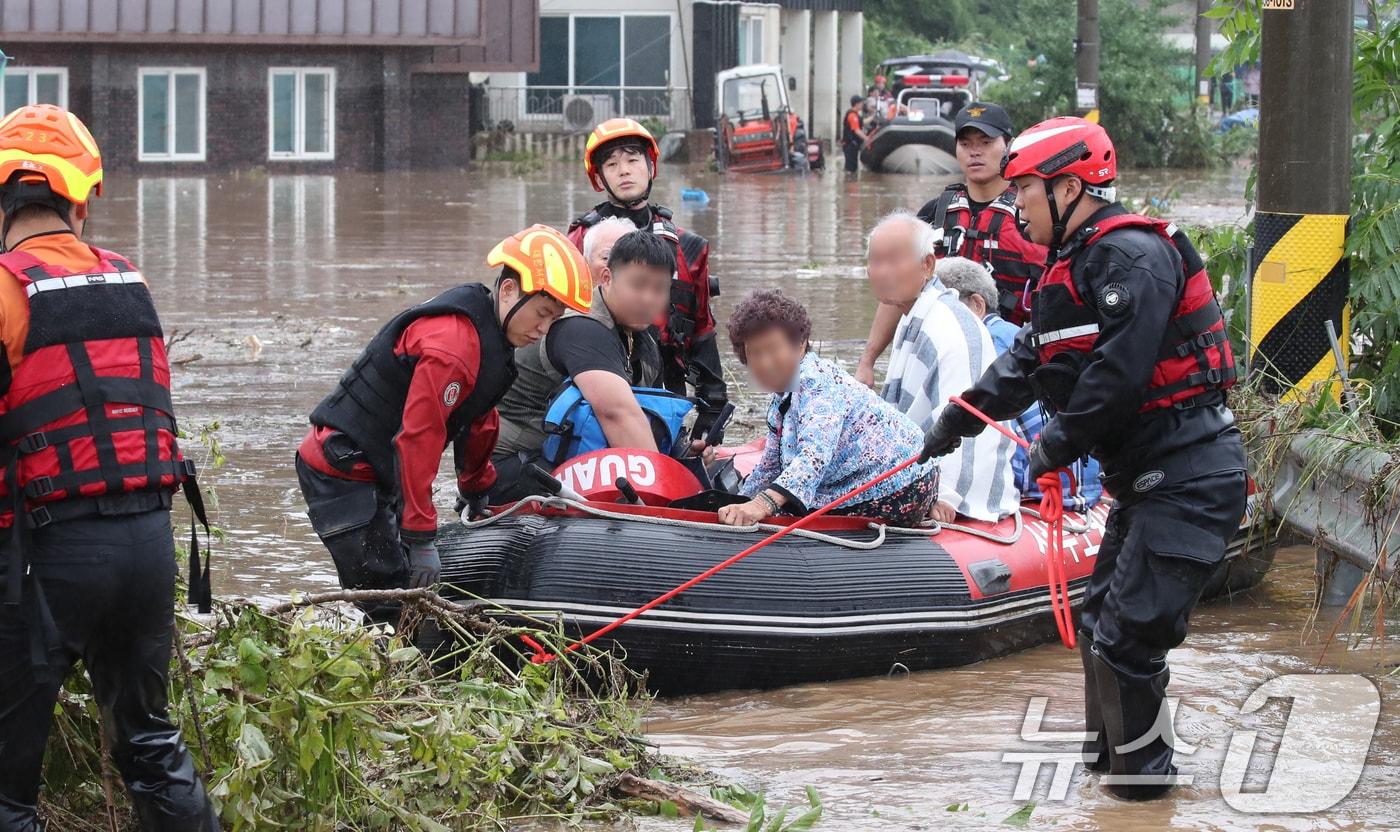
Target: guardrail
575,109
1339,501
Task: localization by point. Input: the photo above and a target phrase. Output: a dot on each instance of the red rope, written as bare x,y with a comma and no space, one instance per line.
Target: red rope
540,656
1052,511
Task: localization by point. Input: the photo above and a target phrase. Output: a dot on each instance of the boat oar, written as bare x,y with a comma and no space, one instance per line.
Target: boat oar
540,655
1052,511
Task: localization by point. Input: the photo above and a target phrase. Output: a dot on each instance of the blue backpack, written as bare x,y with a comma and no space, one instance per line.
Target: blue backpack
572,428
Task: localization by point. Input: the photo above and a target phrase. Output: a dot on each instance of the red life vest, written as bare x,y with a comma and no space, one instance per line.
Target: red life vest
689,317
994,239
86,415
1194,358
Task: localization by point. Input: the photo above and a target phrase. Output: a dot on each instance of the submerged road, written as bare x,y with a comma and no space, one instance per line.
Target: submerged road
275,283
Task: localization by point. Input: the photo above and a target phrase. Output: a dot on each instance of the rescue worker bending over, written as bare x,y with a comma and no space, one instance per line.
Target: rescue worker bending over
975,219
621,160
86,424
1127,351
591,382
430,378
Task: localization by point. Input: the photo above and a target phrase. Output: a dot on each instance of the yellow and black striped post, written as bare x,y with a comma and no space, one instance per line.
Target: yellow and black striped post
1299,279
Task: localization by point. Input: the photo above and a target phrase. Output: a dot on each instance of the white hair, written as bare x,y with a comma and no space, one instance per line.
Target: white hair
920,231
967,277
591,237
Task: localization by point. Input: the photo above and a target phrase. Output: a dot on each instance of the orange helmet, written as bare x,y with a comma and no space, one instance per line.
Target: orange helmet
609,132
546,262
45,142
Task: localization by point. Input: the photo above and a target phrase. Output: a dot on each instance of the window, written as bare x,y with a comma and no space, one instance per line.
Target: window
751,39
34,85
301,113
625,57
171,126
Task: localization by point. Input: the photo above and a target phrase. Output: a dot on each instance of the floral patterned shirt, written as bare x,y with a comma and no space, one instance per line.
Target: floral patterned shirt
831,434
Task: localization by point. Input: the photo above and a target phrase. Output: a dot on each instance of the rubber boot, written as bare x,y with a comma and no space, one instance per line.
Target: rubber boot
193,812
1095,749
17,817
1138,731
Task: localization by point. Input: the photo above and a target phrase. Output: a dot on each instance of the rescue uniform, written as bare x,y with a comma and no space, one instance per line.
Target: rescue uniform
1128,352
689,352
987,233
91,461
850,140
431,377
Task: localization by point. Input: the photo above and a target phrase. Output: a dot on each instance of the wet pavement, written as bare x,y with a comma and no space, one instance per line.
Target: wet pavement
271,285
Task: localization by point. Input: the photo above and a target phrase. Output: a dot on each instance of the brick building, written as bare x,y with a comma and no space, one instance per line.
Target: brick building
292,85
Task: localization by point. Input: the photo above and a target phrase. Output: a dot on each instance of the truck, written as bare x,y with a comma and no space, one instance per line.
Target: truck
756,130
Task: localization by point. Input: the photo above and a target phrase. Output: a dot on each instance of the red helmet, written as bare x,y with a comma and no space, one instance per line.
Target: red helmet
879,79
1063,146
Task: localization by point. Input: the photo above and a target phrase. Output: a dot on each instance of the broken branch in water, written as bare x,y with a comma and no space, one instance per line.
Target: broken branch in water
687,801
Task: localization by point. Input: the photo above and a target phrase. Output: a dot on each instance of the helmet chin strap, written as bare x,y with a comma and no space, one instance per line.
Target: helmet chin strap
519,304
1058,221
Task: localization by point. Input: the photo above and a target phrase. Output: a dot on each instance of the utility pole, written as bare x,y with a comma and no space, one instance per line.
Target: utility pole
1086,50
1203,33
1299,280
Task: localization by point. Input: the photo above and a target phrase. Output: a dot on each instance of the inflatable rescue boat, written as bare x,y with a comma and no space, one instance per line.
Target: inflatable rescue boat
843,598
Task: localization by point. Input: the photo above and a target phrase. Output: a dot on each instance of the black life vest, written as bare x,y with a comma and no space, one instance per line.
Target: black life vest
87,415
991,238
1195,358
678,329
367,403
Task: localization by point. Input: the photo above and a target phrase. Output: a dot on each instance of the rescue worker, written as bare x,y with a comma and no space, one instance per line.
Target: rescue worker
430,378
592,382
91,461
976,219
1127,351
853,133
620,159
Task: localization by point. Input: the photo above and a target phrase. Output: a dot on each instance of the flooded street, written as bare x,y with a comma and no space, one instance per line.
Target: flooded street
275,283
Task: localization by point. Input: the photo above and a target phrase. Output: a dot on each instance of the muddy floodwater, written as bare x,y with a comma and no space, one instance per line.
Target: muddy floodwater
271,285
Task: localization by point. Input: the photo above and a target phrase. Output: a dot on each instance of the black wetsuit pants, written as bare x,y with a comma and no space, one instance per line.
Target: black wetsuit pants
109,586
1161,546
358,521
852,151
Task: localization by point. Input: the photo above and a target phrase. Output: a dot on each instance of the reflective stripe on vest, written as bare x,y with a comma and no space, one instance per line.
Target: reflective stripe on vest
1194,358
82,281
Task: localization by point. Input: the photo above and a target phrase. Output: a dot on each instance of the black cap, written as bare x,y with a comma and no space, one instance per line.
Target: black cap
989,118
857,99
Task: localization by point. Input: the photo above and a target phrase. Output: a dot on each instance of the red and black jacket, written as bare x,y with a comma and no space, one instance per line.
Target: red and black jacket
689,352
368,403
1128,348
87,415
990,236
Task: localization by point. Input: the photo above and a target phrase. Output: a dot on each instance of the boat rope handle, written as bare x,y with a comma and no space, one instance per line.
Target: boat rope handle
1052,511
541,656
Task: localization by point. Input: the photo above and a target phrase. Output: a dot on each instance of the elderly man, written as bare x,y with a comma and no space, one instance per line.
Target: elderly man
977,289
939,347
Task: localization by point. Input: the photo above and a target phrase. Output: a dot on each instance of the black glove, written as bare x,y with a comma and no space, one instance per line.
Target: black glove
424,566
473,506
941,439
1039,463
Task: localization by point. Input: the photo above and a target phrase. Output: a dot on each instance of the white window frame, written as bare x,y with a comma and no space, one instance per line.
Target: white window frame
299,114
746,22
31,72
170,72
622,88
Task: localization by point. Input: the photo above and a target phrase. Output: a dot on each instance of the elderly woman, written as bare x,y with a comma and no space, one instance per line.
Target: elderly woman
827,432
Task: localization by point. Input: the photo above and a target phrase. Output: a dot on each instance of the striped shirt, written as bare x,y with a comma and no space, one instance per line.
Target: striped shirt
940,349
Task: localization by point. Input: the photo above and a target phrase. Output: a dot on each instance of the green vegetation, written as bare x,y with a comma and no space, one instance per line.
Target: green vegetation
1143,79
1373,243
302,718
